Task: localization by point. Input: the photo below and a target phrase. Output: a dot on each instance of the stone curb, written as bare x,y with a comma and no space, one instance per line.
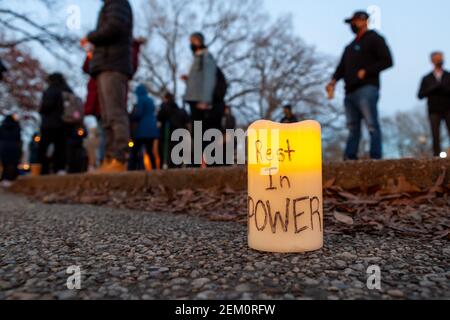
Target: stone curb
361,175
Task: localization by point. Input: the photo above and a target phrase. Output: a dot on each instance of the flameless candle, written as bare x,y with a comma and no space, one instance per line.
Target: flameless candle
285,208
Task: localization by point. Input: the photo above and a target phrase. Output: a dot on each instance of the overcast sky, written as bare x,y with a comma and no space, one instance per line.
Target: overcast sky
413,28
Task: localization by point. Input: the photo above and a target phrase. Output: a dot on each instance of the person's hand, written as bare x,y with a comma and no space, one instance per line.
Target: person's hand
84,42
184,77
361,74
141,40
202,106
330,88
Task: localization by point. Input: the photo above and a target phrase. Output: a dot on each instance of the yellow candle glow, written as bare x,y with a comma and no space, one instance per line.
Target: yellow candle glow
285,202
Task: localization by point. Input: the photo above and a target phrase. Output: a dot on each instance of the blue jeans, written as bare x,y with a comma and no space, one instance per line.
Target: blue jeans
362,105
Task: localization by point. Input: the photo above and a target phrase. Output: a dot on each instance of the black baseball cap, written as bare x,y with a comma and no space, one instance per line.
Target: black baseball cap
358,15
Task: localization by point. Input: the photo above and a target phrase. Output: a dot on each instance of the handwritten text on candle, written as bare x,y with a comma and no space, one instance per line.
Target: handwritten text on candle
261,212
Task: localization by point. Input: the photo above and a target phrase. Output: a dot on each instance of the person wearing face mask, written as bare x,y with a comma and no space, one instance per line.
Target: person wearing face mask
360,67
206,86
436,88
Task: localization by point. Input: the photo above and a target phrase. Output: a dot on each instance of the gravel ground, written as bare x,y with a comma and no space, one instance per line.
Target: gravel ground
127,254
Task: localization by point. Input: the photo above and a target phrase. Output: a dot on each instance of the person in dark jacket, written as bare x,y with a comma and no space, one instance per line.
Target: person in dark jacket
33,149
170,117
146,131
10,149
360,67
53,129
289,116
76,153
436,88
112,66
2,70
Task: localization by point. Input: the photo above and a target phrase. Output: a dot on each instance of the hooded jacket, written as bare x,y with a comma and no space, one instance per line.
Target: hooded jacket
113,39
144,115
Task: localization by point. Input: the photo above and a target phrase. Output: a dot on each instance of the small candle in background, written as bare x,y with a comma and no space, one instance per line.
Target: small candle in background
285,202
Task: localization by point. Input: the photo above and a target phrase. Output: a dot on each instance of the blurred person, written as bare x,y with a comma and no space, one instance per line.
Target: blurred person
145,133
360,67
2,69
436,88
33,149
112,66
33,154
10,149
170,118
76,153
289,116
92,146
206,86
228,123
228,120
53,129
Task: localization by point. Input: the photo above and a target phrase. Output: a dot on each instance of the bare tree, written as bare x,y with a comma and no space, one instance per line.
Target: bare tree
407,134
265,63
285,70
17,28
227,25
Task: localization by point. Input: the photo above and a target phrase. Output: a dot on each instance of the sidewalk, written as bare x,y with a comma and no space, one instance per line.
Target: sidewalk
129,254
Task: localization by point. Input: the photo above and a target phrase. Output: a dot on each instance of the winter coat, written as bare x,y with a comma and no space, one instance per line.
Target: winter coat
172,117
144,115
437,92
113,39
52,107
92,103
202,79
10,141
370,53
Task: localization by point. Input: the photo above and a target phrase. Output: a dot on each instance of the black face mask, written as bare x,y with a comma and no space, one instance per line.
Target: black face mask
440,64
354,28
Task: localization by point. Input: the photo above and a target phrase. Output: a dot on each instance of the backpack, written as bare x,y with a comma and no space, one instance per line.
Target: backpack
73,108
220,91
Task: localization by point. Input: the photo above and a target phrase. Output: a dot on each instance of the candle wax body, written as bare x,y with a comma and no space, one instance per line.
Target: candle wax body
285,201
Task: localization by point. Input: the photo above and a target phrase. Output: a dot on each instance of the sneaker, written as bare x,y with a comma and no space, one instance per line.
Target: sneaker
115,166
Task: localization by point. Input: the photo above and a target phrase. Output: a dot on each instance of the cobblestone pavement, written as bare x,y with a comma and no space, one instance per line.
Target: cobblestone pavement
127,254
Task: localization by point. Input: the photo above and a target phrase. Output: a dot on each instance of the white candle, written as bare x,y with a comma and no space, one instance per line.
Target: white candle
285,202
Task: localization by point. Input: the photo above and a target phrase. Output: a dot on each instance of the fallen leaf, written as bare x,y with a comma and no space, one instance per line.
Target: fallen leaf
329,183
343,218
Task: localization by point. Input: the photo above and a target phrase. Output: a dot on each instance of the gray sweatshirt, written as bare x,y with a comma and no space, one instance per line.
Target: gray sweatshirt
202,78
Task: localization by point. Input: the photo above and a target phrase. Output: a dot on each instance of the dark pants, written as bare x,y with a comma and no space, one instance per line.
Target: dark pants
112,89
76,158
210,119
436,119
136,160
362,105
57,137
10,154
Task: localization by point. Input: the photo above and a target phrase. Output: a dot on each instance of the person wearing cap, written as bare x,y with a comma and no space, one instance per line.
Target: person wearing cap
436,88
360,67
